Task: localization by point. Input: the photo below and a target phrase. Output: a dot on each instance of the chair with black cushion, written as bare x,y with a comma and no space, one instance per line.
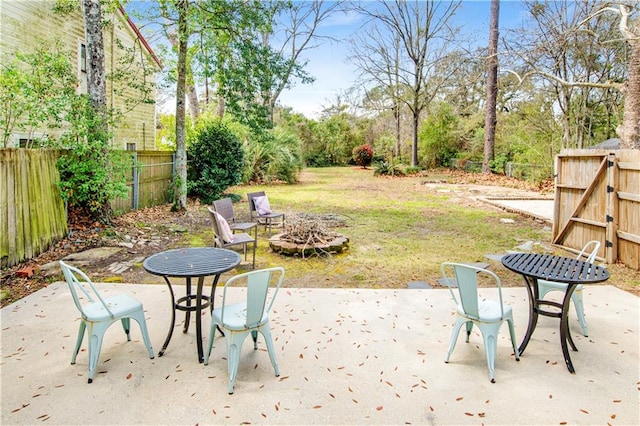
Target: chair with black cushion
488,315
224,207
99,313
260,211
225,238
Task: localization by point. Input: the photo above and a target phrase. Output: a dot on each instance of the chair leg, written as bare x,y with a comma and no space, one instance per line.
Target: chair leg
81,330
469,328
490,349
266,332
139,317
578,304
212,333
234,346
454,336
126,325
96,333
254,336
512,334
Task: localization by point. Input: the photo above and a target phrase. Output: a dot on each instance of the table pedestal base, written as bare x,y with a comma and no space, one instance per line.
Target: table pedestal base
535,309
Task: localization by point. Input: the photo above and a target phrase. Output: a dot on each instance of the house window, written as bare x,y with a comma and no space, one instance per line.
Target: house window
131,146
83,57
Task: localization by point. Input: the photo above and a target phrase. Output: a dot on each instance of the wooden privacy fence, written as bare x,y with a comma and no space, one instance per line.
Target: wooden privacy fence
149,181
32,213
598,198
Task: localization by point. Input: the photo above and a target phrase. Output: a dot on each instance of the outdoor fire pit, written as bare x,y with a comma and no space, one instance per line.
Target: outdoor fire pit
309,235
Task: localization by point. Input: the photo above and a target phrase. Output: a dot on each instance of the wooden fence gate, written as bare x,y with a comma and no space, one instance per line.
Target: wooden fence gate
598,198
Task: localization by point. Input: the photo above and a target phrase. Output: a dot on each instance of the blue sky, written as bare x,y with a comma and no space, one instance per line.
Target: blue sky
328,62
333,74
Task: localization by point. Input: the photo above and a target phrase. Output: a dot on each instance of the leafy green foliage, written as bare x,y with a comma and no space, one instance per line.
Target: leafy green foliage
439,136
36,90
215,161
91,175
363,155
388,168
273,156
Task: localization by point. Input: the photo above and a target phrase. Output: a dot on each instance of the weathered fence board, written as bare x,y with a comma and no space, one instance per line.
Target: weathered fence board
598,198
149,181
32,213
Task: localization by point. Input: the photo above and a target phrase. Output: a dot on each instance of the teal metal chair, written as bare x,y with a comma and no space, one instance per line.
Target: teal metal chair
99,313
238,320
587,254
488,315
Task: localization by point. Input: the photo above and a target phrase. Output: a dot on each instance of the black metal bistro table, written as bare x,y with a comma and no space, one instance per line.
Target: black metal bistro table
189,263
552,268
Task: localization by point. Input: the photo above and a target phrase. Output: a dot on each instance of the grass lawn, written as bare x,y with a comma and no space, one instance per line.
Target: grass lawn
400,229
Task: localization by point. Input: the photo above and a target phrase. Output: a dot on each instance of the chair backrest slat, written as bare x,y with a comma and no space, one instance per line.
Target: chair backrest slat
216,228
78,280
259,291
466,278
224,207
589,251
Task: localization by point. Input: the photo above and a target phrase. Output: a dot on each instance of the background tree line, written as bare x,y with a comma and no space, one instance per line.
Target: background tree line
568,78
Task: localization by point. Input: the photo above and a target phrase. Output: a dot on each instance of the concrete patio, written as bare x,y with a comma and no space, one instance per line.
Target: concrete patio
346,357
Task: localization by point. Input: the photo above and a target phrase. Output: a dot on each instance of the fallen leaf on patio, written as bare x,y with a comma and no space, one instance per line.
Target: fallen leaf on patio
584,411
317,406
354,400
331,395
482,414
460,398
214,412
617,400
613,416
129,376
301,356
284,378
468,414
263,415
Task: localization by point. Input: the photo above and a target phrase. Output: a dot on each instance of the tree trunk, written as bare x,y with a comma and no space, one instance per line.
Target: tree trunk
180,184
192,94
97,90
492,89
629,131
414,148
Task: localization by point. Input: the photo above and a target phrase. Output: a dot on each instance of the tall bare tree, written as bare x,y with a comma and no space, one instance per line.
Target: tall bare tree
298,29
425,34
574,48
492,88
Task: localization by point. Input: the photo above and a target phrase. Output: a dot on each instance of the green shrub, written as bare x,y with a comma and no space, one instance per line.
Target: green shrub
215,161
363,155
385,168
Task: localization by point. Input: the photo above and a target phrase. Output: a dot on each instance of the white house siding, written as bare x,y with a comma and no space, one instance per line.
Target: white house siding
24,24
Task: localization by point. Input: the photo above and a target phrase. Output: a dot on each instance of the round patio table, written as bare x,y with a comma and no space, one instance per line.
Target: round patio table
533,267
189,263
